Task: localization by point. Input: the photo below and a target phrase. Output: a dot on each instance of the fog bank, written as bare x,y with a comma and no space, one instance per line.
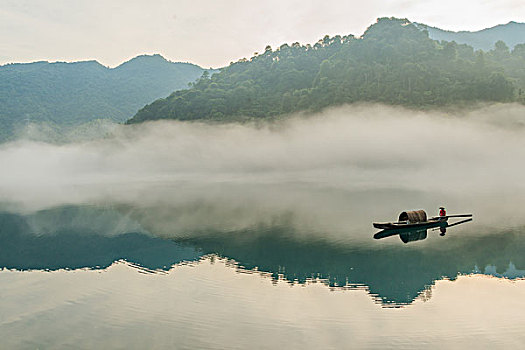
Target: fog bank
335,171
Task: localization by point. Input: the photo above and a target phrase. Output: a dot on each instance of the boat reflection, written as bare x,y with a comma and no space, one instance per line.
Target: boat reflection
413,234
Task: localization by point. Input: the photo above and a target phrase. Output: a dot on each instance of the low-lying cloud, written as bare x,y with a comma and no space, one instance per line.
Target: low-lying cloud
332,172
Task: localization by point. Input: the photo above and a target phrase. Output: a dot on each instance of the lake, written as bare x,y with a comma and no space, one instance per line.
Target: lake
92,277
190,236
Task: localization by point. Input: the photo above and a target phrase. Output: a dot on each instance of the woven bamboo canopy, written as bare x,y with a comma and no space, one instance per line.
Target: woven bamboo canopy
413,216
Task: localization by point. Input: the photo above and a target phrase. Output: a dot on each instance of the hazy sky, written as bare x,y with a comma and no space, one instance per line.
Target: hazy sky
212,33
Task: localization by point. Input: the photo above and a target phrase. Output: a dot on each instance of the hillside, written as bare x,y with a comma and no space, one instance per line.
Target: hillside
511,34
394,62
70,94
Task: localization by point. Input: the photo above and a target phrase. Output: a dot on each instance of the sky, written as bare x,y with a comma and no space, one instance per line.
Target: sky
212,33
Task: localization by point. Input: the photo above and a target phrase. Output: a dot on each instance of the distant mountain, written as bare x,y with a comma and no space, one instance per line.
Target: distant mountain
394,63
511,34
69,94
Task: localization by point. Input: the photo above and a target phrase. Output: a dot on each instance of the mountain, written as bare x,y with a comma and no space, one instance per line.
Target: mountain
511,34
394,62
69,94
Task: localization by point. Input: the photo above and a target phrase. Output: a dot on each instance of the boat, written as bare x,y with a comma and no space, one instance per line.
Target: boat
413,225
416,219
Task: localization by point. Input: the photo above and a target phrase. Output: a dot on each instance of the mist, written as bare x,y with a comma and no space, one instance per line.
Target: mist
332,173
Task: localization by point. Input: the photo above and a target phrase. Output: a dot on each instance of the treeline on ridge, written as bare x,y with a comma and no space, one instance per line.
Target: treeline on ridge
66,95
394,62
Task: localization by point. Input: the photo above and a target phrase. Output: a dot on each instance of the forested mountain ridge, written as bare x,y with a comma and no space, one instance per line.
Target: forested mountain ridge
394,62
69,94
511,34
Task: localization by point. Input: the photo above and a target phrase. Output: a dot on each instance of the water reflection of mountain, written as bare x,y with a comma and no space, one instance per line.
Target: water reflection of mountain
73,247
396,273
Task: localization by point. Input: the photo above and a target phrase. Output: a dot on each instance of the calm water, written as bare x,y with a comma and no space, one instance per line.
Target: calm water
92,276
191,236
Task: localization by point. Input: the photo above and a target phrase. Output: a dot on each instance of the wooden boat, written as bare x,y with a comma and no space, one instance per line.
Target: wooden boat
411,234
415,219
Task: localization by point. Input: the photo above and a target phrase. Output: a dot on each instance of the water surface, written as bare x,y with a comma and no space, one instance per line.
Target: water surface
74,276
182,235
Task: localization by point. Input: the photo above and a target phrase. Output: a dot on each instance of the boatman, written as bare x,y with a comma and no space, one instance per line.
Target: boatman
442,211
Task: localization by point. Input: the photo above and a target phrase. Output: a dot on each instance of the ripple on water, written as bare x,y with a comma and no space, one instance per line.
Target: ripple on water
208,304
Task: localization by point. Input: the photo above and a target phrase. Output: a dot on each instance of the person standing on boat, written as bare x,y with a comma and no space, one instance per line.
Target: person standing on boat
443,225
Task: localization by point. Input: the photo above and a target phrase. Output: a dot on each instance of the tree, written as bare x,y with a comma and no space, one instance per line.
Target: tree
394,62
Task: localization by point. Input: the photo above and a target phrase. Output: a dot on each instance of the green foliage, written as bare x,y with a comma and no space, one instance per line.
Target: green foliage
70,94
394,62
